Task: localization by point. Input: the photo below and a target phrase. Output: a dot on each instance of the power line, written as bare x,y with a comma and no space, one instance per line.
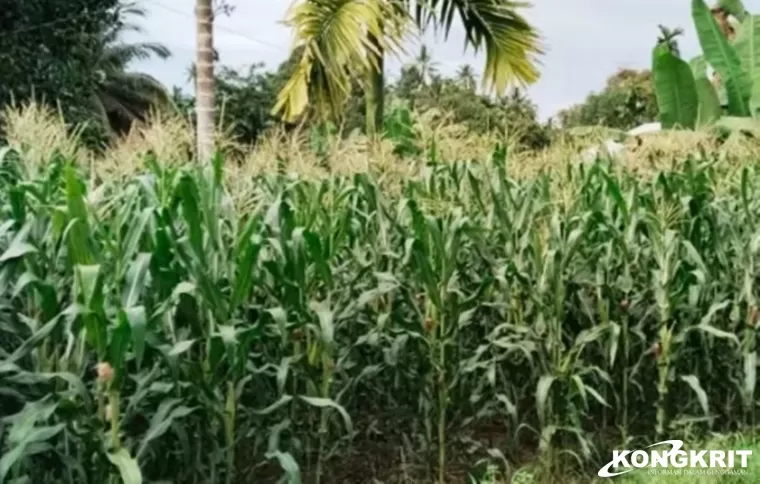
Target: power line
48,24
219,27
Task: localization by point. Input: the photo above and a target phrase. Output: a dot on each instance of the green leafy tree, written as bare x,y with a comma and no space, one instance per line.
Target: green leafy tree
244,99
48,50
626,101
456,96
409,82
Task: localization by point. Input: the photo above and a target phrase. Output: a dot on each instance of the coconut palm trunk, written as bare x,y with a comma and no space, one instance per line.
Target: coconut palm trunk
204,81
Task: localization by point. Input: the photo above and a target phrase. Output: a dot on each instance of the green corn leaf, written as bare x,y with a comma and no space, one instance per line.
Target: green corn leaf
714,308
135,232
273,441
246,253
317,254
137,319
509,407
78,232
693,382
280,318
136,280
127,466
168,411
33,341
581,388
597,396
328,403
281,402
288,464
31,436
120,339
16,250
542,396
75,383
181,347
750,375
718,333
188,193
90,286
326,324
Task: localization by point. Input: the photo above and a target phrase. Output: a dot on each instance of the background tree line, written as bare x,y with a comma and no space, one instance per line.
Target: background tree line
71,54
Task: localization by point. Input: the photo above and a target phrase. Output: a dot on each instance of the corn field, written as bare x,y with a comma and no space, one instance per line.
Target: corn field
151,330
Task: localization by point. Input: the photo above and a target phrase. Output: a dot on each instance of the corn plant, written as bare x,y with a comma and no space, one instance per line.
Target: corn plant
153,330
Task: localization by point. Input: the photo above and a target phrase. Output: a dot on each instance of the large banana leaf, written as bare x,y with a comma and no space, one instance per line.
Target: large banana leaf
699,67
722,56
674,88
747,45
709,104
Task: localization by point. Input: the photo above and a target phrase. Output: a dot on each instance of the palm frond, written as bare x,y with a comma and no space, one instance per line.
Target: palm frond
122,54
336,40
142,86
123,96
131,95
512,45
116,103
99,109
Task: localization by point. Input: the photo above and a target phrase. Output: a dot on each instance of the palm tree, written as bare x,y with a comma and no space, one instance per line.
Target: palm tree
466,77
668,37
122,97
204,82
342,39
426,65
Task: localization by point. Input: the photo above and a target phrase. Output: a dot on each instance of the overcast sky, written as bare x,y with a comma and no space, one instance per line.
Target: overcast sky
587,40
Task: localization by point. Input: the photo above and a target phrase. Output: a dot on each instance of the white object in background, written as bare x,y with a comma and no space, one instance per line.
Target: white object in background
614,148
646,129
611,147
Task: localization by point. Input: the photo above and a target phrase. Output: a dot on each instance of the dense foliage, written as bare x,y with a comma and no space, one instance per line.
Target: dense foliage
71,55
627,101
309,317
245,99
424,89
47,50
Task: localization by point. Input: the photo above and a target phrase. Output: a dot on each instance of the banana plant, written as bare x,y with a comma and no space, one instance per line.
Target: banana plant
686,97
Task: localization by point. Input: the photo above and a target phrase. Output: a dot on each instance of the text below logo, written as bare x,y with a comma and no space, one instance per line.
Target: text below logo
675,458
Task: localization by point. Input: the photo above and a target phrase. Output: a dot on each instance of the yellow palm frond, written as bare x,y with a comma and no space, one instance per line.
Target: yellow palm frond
335,36
511,44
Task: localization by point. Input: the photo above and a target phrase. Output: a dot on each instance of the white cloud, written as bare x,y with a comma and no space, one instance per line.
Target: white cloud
587,40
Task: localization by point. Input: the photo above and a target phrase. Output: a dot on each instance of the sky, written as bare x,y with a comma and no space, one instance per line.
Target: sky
586,41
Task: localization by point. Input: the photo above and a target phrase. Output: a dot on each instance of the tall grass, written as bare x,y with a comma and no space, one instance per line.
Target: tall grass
175,324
